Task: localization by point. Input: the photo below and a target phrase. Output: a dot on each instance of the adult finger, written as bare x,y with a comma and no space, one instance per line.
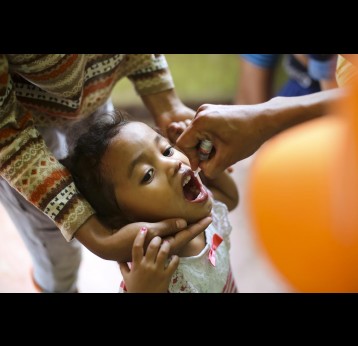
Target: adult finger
137,249
175,129
188,122
210,168
167,227
215,165
202,108
183,237
173,132
188,142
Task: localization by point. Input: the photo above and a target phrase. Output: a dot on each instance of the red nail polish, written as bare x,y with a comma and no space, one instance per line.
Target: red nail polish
143,229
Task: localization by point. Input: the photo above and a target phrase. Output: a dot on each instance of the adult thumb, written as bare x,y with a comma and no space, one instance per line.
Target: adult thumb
168,227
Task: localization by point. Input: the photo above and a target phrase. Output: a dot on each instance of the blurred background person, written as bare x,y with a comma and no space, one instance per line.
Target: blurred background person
307,74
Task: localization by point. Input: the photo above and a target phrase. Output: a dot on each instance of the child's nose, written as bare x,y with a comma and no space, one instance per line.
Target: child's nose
177,166
173,166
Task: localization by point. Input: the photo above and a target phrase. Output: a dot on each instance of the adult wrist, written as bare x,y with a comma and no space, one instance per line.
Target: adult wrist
162,102
266,118
281,113
93,234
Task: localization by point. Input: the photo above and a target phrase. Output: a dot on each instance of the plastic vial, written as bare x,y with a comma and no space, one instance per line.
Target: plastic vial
205,149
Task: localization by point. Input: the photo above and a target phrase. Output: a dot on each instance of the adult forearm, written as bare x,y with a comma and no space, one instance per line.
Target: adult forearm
161,102
166,107
255,84
281,113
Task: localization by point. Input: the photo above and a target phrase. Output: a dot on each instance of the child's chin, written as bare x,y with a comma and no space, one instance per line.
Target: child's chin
201,216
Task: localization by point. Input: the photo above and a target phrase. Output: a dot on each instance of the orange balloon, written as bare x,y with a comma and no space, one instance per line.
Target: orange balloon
303,198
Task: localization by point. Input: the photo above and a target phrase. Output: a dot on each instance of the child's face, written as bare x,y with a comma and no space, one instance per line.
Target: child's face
148,176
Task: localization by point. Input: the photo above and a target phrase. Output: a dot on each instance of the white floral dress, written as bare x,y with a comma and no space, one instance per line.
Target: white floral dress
209,271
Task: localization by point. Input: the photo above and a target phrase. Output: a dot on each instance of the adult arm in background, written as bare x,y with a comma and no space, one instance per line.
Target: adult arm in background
257,72
237,131
322,67
255,82
29,167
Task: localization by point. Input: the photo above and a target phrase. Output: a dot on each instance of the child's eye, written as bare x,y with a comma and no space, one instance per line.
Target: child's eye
169,151
148,177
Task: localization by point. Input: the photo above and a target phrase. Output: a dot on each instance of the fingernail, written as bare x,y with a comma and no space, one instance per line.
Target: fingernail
165,241
181,224
143,230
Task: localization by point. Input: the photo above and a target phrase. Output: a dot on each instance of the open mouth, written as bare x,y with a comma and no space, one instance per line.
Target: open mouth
193,190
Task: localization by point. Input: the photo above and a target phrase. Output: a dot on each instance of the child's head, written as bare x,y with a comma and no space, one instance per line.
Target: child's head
129,172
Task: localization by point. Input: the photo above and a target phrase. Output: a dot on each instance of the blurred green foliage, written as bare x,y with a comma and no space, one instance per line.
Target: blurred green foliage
196,76
204,77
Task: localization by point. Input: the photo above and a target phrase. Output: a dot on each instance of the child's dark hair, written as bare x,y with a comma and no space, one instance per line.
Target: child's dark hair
84,163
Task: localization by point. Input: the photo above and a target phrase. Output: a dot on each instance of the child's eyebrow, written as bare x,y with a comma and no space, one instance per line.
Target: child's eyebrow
140,157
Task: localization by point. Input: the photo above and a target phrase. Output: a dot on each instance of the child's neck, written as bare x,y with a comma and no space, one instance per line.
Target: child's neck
194,247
